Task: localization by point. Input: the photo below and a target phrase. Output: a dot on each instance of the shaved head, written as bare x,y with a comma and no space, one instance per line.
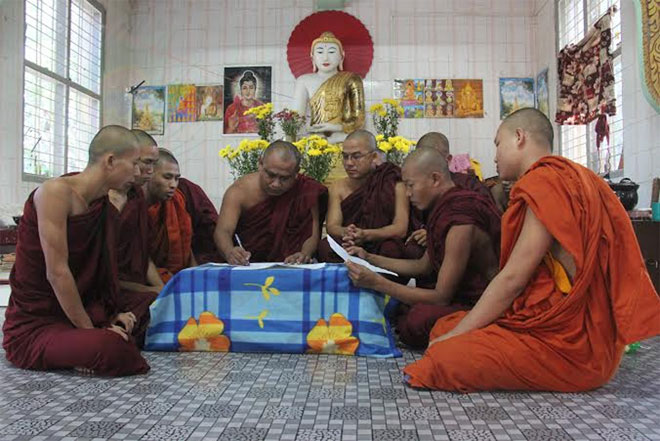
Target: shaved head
112,139
534,122
284,151
427,160
144,138
365,137
435,140
164,156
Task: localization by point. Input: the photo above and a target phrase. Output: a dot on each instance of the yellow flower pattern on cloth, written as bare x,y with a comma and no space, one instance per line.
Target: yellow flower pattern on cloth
205,335
266,288
332,338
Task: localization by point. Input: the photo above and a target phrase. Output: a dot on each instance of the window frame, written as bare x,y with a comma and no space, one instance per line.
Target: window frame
616,53
66,82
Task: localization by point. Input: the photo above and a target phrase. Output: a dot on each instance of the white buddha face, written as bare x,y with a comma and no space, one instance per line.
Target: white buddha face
327,57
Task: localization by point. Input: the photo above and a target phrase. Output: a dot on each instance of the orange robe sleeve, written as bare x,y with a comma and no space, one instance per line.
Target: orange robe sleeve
548,339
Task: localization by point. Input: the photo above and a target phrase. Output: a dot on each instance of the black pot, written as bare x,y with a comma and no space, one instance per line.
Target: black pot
626,191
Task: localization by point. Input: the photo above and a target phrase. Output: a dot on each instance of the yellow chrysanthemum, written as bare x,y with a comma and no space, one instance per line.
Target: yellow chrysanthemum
391,102
382,113
376,108
385,146
380,137
314,152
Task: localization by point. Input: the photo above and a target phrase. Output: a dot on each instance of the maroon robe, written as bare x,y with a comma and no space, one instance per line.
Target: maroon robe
276,228
371,206
204,217
133,238
37,333
457,206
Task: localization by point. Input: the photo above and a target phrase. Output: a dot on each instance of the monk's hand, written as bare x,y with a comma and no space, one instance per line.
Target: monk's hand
298,258
418,236
443,337
125,320
238,256
361,276
118,330
357,251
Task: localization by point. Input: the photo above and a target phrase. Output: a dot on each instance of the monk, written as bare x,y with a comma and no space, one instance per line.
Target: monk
462,253
573,289
369,208
66,309
274,214
137,271
203,217
170,225
416,241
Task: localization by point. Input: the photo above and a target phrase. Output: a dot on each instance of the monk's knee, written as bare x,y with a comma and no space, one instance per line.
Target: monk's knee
391,248
115,357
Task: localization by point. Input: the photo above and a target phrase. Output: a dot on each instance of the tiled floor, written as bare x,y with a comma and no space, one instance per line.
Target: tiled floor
202,396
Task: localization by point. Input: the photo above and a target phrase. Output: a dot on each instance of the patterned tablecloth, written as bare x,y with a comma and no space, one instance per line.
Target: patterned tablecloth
295,310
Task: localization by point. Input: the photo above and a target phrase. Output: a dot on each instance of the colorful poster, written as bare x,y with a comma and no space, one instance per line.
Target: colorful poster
181,103
245,87
209,106
148,109
542,97
440,98
515,93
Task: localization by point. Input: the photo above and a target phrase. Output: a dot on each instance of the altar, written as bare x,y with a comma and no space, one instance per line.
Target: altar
308,309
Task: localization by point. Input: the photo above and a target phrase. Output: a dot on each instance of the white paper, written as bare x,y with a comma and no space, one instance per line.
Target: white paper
344,255
265,265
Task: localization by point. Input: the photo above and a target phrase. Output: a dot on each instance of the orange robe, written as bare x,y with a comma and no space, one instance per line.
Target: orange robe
170,230
548,339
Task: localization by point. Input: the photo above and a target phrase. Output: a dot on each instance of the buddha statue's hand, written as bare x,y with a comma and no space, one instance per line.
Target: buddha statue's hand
325,127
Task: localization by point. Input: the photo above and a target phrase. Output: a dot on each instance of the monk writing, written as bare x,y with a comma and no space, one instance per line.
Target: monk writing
573,289
462,253
170,226
137,271
275,212
369,208
66,309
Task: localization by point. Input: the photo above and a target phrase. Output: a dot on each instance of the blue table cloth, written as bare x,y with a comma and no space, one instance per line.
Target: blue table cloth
294,310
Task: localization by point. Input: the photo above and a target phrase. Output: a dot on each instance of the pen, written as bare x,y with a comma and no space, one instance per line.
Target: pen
238,240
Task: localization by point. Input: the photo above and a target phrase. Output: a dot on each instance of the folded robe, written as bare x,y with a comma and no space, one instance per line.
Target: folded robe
549,339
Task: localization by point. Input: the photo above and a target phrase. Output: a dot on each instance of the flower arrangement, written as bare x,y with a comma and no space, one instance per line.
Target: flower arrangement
396,148
386,117
290,122
244,159
317,156
264,116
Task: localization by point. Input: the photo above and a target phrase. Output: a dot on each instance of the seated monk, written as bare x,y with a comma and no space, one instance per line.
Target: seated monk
416,242
369,208
137,271
275,214
203,216
573,289
66,309
170,226
462,253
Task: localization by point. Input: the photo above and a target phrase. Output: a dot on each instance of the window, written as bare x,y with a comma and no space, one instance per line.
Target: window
578,143
62,85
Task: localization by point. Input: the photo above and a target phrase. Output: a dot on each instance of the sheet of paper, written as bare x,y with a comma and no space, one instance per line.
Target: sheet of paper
344,255
264,265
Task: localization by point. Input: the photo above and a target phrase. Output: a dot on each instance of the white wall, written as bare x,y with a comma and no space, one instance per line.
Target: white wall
191,41
641,130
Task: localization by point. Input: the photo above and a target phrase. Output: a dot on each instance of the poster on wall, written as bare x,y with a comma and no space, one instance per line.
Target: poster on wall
542,97
209,106
148,110
181,103
245,87
515,93
440,98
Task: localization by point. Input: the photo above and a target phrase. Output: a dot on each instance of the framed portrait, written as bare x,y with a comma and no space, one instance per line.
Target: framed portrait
515,93
245,87
209,103
542,96
181,103
148,110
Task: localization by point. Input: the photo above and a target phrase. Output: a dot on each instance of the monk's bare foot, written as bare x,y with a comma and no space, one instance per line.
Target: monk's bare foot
84,371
